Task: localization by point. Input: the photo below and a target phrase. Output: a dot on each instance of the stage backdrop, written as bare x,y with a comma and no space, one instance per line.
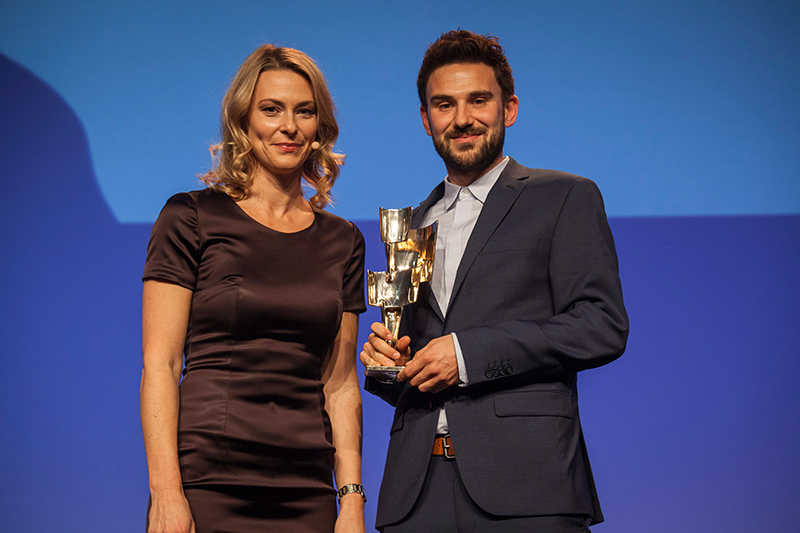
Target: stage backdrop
685,113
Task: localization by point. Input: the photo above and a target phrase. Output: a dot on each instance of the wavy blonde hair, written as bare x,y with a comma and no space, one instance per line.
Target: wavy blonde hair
233,160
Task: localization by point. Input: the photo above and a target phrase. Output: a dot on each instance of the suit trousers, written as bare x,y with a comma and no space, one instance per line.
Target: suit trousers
444,506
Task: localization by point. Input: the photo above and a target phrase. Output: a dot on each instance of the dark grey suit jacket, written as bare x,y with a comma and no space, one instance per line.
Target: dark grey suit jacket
536,299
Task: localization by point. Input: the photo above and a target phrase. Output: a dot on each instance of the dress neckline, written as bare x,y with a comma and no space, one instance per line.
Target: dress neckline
273,230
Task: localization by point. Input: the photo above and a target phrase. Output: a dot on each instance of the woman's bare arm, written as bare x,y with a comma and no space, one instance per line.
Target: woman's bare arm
343,403
165,316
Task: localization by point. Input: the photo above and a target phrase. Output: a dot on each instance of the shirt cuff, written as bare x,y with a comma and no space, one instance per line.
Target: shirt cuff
462,366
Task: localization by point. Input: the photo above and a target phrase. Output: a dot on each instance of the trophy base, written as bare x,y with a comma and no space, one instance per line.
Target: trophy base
384,374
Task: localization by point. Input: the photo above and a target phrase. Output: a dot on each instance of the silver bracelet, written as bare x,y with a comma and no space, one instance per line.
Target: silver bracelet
350,488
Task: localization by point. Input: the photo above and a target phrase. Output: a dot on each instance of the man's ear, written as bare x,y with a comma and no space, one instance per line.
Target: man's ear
510,111
426,123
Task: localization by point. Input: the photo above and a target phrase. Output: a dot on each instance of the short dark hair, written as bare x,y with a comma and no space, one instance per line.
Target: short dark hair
462,46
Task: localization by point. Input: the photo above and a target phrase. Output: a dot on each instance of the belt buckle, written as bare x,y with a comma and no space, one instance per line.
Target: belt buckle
446,447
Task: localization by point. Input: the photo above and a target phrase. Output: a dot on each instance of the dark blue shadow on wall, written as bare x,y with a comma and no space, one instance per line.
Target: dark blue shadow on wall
70,327
695,429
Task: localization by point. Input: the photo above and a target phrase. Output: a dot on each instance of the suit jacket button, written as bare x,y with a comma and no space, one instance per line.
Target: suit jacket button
509,370
495,372
488,373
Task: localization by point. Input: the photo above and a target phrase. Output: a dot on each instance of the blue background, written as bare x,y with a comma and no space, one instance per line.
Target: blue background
685,113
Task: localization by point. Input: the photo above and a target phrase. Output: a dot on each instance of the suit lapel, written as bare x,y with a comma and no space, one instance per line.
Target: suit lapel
425,293
418,215
498,202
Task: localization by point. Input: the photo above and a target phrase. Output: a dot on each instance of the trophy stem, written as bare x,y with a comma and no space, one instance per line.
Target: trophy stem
391,260
390,316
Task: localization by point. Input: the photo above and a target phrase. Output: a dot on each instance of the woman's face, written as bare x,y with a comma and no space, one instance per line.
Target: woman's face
282,122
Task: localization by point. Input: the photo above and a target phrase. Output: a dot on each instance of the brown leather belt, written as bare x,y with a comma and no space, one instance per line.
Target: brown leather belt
442,445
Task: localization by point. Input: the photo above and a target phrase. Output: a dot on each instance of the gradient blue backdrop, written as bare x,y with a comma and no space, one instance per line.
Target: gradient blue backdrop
685,113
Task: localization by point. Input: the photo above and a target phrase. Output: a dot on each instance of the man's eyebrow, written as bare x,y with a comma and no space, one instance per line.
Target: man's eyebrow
472,96
438,97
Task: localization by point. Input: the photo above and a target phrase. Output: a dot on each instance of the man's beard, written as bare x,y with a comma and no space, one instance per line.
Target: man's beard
471,162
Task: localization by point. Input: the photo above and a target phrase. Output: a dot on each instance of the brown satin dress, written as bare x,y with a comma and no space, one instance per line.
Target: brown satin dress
254,439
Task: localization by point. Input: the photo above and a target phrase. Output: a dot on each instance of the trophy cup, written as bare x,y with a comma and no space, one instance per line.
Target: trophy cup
409,254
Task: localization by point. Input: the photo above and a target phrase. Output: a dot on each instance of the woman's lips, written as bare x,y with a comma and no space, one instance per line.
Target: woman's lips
288,147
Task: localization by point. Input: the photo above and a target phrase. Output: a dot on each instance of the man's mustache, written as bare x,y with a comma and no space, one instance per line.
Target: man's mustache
457,132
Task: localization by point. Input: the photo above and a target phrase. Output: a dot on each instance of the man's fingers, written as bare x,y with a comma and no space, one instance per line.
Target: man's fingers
429,381
439,387
422,378
366,360
382,347
411,370
371,357
380,330
425,373
402,344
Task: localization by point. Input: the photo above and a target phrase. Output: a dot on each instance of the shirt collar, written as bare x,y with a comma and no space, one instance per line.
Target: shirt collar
479,188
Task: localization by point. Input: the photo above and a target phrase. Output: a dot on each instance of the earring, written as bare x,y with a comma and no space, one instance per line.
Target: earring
315,145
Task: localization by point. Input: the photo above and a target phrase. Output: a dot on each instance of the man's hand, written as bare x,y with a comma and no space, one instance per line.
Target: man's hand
377,351
433,368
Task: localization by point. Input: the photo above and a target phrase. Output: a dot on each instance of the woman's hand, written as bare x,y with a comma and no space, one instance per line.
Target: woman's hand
351,514
170,514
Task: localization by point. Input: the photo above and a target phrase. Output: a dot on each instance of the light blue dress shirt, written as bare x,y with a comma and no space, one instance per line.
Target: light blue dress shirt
457,212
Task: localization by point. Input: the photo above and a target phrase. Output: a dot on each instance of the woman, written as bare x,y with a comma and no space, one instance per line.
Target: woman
260,289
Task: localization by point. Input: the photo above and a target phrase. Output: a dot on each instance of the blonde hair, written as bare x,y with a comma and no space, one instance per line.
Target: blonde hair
233,160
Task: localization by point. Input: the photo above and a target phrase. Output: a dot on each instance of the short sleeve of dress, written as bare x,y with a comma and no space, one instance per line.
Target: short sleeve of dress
173,251
353,284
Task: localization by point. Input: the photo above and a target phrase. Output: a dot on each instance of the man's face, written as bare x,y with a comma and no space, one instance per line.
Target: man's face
467,119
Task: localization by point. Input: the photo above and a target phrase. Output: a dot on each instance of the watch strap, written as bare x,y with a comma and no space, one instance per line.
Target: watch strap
350,488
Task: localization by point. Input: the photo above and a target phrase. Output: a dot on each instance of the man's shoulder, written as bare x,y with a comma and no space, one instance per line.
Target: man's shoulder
544,180
539,175
548,186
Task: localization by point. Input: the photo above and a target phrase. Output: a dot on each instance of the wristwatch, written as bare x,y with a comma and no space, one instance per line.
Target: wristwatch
350,488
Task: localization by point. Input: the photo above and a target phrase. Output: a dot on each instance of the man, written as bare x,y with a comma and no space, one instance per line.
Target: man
525,293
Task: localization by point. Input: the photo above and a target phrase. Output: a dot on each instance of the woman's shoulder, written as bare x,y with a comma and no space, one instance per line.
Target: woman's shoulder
336,225
207,197
187,208
330,220
198,200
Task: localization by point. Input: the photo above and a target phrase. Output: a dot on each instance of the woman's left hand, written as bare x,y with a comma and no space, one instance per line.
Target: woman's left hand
351,515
